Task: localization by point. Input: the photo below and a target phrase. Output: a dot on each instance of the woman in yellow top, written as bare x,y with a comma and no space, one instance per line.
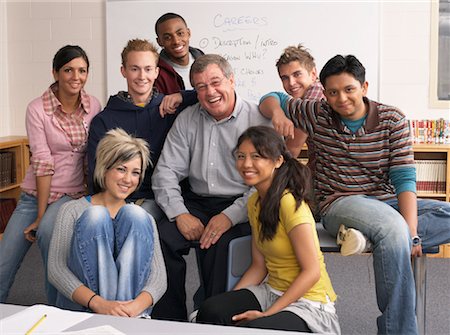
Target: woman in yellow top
297,294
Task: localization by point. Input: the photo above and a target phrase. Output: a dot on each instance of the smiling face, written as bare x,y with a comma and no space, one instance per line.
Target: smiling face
254,169
140,71
71,77
122,180
215,92
296,79
345,95
173,36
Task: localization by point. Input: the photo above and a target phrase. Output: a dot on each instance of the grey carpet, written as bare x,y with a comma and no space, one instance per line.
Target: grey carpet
352,278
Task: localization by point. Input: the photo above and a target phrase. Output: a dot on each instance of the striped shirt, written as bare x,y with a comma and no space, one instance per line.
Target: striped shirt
350,163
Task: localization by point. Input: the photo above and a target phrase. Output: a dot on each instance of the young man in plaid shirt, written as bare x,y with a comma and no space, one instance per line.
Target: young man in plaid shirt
298,74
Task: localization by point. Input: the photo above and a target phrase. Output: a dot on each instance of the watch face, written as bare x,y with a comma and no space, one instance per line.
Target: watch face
416,241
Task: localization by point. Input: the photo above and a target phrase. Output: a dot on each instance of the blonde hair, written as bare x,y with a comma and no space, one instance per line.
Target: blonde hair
297,53
138,45
115,148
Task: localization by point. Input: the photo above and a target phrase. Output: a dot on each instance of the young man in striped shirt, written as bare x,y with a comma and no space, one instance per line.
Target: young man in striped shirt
365,181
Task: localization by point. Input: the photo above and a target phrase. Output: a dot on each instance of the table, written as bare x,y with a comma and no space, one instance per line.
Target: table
143,326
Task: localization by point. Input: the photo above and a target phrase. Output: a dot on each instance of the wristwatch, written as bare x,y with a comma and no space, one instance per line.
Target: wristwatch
416,240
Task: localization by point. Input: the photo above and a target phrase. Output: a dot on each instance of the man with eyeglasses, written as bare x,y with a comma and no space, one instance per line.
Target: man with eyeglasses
213,209
176,56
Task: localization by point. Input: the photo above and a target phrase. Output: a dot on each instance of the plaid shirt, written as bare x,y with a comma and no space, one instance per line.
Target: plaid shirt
314,92
71,124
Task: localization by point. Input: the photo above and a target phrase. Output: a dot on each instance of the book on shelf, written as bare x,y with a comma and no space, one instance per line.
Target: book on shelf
431,176
430,131
7,170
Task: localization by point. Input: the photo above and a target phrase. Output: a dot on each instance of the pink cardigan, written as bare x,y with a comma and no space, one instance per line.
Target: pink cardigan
48,142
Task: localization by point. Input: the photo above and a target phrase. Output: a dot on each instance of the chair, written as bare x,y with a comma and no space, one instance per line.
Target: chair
419,265
239,259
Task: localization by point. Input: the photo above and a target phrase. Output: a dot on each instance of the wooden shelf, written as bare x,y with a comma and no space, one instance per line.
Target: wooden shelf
426,152
435,152
19,146
423,151
431,147
431,195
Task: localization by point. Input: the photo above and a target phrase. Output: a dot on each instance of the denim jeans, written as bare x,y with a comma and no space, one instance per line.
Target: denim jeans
385,227
111,256
14,246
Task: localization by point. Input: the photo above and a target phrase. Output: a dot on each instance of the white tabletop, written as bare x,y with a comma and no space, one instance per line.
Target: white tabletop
142,326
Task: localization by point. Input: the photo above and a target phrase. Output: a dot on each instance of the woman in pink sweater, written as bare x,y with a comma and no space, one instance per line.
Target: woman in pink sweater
57,126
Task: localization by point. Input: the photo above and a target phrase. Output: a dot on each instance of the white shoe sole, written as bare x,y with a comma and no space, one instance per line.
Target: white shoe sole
352,241
193,316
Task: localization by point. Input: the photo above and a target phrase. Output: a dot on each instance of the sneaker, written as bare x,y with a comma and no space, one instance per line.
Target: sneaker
352,241
193,316
144,315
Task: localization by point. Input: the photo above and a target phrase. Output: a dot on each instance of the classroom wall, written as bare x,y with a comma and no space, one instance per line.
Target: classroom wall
33,31
5,117
405,58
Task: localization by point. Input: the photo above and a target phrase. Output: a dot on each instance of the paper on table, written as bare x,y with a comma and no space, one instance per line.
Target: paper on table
56,321
106,329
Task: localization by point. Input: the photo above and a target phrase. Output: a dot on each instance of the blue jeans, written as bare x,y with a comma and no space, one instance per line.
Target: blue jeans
111,256
385,227
14,246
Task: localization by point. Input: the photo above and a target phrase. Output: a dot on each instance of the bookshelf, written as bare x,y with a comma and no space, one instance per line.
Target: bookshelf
432,152
18,145
14,161
438,153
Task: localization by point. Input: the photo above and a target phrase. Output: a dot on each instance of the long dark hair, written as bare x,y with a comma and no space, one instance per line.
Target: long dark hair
291,176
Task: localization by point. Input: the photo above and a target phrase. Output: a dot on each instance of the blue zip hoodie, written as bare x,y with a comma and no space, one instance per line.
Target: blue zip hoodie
144,122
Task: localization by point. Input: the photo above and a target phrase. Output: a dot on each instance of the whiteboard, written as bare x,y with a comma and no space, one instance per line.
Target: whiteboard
252,35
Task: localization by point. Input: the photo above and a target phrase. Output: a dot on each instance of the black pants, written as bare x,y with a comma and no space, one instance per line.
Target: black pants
220,309
172,305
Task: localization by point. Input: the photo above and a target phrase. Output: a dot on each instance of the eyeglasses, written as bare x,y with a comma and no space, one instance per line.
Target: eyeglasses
214,83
